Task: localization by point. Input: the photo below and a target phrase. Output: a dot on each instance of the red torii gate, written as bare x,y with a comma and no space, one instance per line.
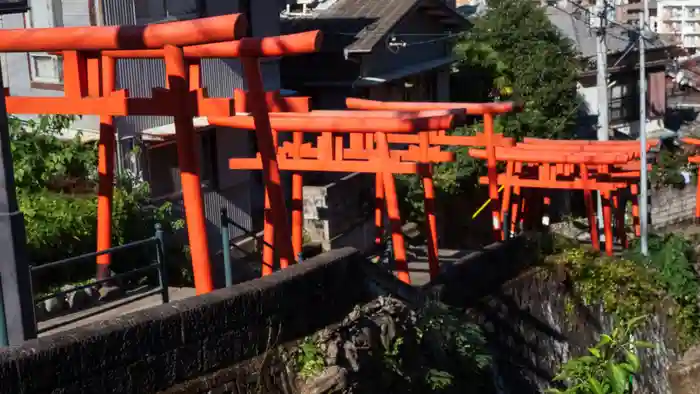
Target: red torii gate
548,177
329,157
488,138
88,50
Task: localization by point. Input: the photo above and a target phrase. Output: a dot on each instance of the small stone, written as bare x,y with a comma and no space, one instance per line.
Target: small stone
54,305
333,379
110,293
79,299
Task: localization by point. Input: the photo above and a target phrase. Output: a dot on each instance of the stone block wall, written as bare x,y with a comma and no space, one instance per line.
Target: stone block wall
197,345
671,206
530,332
338,213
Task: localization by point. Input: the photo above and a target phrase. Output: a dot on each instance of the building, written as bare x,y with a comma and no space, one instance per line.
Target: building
631,12
678,22
381,49
623,76
146,144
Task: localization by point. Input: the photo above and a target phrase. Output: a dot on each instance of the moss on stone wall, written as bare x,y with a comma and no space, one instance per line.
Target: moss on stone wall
630,286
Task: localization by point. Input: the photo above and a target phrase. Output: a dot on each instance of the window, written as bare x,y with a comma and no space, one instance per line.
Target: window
150,11
624,101
43,67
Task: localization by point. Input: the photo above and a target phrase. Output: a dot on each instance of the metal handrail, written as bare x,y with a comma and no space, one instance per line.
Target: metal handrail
158,240
4,340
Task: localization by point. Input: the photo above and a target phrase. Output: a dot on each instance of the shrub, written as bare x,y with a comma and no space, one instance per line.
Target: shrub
60,225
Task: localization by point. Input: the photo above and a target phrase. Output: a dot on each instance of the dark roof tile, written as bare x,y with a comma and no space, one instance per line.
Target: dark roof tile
365,21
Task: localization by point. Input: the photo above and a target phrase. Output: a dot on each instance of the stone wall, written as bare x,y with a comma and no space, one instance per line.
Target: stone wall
523,310
671,205
338,214
217,341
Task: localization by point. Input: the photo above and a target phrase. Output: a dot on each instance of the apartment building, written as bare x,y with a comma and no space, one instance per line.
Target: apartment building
678,22
630,12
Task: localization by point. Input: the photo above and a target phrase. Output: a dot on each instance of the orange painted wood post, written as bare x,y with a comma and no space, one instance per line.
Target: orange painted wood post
268,153
297,200
634,191
298,197
268,255
506,202
493,176
607,222
392,207
697,201
431,221
590,209
429,205
378,208
188,161
620,219
105,163
280,221
517,201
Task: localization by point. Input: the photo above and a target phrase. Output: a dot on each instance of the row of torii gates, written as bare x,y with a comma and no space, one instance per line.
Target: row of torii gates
382,138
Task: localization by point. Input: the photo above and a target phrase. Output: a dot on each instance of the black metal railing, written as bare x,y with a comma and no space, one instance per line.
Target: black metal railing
157,240
226,244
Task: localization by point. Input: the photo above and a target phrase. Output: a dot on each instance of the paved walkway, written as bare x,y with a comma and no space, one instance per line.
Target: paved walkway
418,267
110,310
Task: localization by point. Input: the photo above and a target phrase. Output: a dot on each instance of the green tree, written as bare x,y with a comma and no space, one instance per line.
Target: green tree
513,52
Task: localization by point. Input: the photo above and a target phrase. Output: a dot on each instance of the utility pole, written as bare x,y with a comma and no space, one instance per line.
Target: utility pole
600,22
15,282
643,179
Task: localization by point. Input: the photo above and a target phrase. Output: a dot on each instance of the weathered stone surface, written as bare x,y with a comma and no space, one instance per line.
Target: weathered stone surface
333,379
671,205
523,309
684,376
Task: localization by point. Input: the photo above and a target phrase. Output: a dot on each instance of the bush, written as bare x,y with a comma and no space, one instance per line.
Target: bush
55,180
60,225
44,161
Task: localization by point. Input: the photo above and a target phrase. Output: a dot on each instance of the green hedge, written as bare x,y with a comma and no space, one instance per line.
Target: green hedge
61,225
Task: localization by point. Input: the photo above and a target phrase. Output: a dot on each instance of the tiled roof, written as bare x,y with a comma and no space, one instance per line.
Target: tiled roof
366,21
584,38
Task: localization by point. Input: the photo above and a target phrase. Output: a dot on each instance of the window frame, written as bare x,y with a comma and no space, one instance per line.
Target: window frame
623,106
198,12
55,10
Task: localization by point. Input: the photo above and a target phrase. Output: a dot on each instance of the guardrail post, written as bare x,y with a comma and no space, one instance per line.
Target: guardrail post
4,340
226,248
162,269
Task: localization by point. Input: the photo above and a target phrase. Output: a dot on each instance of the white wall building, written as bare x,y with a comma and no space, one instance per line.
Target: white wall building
679,22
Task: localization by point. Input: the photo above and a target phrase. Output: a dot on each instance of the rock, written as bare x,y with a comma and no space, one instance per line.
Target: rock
54,305
79,299
351,355
333,379
110,293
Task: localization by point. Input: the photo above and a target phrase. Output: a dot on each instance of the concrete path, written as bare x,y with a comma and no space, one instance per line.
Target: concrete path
131,303
418,262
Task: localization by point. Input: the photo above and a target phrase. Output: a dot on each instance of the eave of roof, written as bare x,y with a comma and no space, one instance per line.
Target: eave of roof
371,20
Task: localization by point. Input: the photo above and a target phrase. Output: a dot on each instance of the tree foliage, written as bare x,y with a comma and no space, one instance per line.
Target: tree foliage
55,179
513,52
519,55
